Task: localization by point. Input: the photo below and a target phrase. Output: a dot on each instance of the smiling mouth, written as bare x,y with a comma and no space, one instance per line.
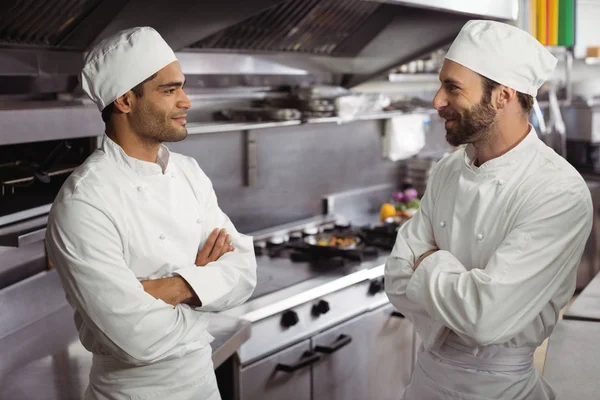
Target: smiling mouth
181,119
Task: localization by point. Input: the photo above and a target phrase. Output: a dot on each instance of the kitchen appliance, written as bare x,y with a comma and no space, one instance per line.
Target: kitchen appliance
32,324
582,121
31,174
322,326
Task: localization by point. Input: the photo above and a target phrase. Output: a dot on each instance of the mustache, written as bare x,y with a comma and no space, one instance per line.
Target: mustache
449,114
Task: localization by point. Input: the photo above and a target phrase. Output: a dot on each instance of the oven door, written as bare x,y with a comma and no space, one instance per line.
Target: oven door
284,375
341,373
391,353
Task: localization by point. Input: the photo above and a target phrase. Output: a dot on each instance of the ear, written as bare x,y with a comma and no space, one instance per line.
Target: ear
125,102
505,96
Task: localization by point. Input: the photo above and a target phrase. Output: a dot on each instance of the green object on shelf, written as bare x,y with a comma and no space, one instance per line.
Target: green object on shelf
566,23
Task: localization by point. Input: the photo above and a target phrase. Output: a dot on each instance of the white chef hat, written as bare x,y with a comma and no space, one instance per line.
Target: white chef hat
120,62
503,53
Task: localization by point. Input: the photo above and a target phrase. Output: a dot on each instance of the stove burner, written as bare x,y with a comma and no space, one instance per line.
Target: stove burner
380,236
294,236
277,241
310,231
260,248
336,262
342,226
375,239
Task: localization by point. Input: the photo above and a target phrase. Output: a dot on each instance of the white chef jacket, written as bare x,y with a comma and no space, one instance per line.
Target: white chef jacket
118,220
510,235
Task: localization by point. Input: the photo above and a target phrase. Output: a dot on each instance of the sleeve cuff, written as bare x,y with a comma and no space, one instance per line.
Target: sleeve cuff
207,283
417,285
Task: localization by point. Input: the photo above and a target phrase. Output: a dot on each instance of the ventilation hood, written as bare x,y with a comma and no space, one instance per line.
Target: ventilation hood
233,42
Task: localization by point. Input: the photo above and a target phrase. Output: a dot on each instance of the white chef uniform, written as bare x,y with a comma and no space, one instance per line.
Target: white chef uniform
118,220
510,235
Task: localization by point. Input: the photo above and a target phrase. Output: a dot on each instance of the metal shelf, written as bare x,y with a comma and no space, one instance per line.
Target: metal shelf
414,78
216,127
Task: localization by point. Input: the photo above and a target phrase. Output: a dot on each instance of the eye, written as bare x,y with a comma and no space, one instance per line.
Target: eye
170,91
451,87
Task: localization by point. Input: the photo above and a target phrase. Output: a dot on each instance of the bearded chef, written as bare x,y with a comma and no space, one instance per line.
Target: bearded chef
484,267
142,248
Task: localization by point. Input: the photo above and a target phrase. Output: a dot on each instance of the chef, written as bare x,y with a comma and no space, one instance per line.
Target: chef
141,246
484,267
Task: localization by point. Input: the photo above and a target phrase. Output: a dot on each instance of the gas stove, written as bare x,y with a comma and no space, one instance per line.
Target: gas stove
285,258
322,325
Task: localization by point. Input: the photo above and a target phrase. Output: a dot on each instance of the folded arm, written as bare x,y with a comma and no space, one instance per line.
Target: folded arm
86,249
493,304
230,280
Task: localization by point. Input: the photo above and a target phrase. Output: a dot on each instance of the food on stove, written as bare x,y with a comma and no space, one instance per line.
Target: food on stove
401,207
405,204
387,210
398,197
413,204
410,194
336,241
405,214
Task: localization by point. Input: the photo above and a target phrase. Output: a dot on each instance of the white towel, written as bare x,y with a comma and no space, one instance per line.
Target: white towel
404,136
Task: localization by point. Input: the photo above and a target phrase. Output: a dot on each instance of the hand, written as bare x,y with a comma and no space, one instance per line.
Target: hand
172,291
424,256
217,244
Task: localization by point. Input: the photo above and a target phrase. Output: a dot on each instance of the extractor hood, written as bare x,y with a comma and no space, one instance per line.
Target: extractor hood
344,42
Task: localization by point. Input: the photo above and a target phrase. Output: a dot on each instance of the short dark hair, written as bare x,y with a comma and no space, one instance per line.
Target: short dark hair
138,90
525,100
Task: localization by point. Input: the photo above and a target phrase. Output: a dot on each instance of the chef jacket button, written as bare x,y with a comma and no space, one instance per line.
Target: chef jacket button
199,220
140,189
162,237
501,182
480,237
172,175
443,224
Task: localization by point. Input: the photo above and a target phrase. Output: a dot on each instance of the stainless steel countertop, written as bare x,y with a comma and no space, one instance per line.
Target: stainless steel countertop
571,365
289,297
63,374
586,305
229,333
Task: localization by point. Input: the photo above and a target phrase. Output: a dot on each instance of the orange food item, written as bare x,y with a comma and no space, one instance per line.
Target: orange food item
387,210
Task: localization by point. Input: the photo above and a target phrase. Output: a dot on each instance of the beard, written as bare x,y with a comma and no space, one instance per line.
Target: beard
472,125
153,126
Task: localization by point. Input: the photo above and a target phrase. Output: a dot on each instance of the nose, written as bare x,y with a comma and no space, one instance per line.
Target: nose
184,102
440,101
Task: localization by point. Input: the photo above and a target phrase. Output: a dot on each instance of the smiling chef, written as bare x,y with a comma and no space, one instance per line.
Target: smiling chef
484,267
137,237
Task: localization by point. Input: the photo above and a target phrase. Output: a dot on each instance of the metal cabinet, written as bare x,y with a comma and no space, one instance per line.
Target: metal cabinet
370,356
391,354
340,374
284,375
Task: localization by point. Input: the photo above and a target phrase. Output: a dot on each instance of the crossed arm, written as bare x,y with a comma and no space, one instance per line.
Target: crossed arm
491,304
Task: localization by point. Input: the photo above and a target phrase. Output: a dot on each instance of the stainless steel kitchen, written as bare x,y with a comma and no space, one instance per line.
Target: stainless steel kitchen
318,124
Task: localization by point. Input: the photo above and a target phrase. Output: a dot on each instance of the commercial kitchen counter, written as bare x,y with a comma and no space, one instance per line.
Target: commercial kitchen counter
63,375
586,306
571,365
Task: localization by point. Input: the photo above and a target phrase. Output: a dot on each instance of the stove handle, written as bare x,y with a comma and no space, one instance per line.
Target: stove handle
397,314
341,341
307,359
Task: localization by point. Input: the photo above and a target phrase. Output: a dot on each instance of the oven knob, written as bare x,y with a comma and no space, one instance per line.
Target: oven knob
375,287
289,318
322,307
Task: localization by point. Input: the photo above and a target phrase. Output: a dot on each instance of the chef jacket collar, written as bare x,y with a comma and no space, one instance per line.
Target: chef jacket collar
506,159
145,168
